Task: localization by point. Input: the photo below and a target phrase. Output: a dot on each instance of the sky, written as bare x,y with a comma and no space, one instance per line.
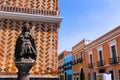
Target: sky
86,19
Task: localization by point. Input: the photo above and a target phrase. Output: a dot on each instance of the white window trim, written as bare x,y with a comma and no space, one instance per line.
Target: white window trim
113,43
90,53
100,48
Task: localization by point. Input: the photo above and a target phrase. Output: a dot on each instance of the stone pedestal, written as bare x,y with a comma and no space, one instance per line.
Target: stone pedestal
24,67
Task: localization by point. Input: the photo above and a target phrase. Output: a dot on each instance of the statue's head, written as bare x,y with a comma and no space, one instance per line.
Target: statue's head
25,29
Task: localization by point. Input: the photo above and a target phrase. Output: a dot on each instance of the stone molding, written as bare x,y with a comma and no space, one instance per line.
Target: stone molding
30,17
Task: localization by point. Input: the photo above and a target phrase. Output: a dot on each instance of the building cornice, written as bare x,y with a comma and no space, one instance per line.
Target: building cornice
101,39
29,17
80,45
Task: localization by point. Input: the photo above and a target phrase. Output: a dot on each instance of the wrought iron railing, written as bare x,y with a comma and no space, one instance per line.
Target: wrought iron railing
100,63
90,65
74,62
80,60
114,60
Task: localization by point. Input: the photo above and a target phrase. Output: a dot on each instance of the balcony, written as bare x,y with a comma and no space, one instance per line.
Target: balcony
113,60
13,12
100,63
90,65
67,68
74,62
80,60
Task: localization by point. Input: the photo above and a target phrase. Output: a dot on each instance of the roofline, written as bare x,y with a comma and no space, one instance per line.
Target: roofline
103,37
81,43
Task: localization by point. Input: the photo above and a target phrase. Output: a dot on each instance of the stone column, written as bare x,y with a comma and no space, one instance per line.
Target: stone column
23,69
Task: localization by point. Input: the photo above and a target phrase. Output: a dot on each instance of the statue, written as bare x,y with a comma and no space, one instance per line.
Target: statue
25,45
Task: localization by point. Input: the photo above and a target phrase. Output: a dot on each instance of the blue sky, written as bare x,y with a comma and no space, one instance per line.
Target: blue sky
87,19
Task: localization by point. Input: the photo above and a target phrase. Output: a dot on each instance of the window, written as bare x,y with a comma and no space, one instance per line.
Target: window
89,76
73,58
81,55
113,49
100,53
61,56
69,77
113,52
112,74
81,74
119,74
100,56
94,76
90,65
76,56
90,57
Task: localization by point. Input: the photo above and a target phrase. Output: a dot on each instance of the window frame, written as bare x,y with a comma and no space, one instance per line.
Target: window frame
94,76
81,55
89,76
113,43
90,53
98,50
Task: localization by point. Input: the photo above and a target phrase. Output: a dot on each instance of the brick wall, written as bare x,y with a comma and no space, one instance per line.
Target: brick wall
45,36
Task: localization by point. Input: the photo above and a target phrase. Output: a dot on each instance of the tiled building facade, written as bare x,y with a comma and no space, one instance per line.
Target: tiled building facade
91,58
44,15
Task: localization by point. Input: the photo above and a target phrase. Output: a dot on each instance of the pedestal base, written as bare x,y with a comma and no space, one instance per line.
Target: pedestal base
31,79
14,77
24,67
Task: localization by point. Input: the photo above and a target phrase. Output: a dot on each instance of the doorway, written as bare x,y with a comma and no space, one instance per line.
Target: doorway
81,74
112,74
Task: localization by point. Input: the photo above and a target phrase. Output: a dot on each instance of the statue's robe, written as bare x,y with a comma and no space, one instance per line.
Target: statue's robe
18,49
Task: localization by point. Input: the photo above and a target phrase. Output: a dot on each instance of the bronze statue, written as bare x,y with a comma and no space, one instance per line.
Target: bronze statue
25,45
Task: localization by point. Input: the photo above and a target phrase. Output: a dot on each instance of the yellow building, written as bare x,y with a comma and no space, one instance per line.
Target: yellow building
14,14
